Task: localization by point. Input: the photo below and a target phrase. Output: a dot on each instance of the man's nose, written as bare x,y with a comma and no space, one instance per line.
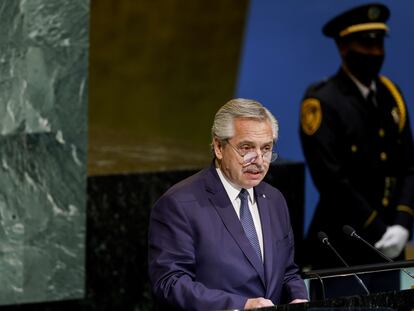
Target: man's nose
373,48
377,50
259,157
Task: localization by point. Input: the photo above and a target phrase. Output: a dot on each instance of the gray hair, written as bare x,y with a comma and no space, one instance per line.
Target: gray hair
223,125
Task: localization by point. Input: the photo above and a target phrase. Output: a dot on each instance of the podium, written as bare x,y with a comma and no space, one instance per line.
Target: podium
397,300
359,280
389,301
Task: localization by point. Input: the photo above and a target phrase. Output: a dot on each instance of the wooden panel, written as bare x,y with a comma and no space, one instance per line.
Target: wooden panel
159,70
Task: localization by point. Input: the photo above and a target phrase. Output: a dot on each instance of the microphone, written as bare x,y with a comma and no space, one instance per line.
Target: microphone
324,239
348,230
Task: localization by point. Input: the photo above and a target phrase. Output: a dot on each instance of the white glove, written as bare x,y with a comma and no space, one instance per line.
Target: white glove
393,241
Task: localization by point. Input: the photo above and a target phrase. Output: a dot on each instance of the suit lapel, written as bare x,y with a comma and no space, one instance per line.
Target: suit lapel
262,204
221,202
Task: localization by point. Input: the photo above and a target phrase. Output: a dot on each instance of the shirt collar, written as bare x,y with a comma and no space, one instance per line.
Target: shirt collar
362,88
232,189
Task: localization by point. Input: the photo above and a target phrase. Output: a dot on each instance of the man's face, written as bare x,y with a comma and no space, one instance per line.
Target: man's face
363,57
248,133
367,46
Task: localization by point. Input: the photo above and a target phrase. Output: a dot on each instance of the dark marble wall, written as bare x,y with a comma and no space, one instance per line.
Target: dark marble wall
43,104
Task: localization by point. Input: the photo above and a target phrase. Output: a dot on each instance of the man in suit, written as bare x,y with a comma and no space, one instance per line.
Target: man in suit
357,142
222,238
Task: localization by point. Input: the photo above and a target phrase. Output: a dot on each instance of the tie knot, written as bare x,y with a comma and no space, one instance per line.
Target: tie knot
243,195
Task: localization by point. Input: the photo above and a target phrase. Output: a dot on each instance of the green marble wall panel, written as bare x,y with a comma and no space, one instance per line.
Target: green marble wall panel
43,137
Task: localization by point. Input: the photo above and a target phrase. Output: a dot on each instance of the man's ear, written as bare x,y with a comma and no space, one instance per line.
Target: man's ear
218,148
343,48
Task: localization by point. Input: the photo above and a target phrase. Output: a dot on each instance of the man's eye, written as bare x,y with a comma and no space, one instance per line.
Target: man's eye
267,149
245,148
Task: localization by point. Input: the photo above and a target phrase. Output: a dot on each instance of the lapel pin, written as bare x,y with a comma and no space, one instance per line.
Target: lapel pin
263,195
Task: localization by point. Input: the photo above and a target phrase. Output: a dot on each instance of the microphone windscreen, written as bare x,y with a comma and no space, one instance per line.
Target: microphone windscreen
348,230
322,236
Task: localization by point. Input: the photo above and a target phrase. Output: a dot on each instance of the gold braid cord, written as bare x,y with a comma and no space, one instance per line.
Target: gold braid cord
402,112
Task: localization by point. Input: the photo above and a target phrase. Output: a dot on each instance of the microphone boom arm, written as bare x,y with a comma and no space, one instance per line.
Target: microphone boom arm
324,239
348,230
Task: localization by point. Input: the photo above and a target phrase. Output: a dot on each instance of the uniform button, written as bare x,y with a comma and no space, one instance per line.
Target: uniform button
385,202
383,156
354,148
381,132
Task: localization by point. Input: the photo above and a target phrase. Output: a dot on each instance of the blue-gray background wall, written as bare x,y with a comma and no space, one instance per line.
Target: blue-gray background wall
284,51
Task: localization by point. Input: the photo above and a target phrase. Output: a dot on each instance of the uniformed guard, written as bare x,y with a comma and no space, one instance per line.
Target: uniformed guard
358,145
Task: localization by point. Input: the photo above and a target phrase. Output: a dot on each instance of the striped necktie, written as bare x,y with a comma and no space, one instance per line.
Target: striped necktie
247,222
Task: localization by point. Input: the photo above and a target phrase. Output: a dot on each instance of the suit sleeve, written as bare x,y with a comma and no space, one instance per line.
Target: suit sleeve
172,263
321,139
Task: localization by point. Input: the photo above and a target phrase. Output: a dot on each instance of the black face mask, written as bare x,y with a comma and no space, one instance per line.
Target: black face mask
365,67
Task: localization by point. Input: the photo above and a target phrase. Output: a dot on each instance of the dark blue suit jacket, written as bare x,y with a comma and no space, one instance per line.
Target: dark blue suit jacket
200,257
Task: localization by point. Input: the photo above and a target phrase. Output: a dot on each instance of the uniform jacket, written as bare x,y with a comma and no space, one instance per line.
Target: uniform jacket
200,257
361,158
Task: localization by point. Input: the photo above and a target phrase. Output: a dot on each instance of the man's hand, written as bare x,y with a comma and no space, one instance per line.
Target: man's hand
260,302
393,241
297,300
